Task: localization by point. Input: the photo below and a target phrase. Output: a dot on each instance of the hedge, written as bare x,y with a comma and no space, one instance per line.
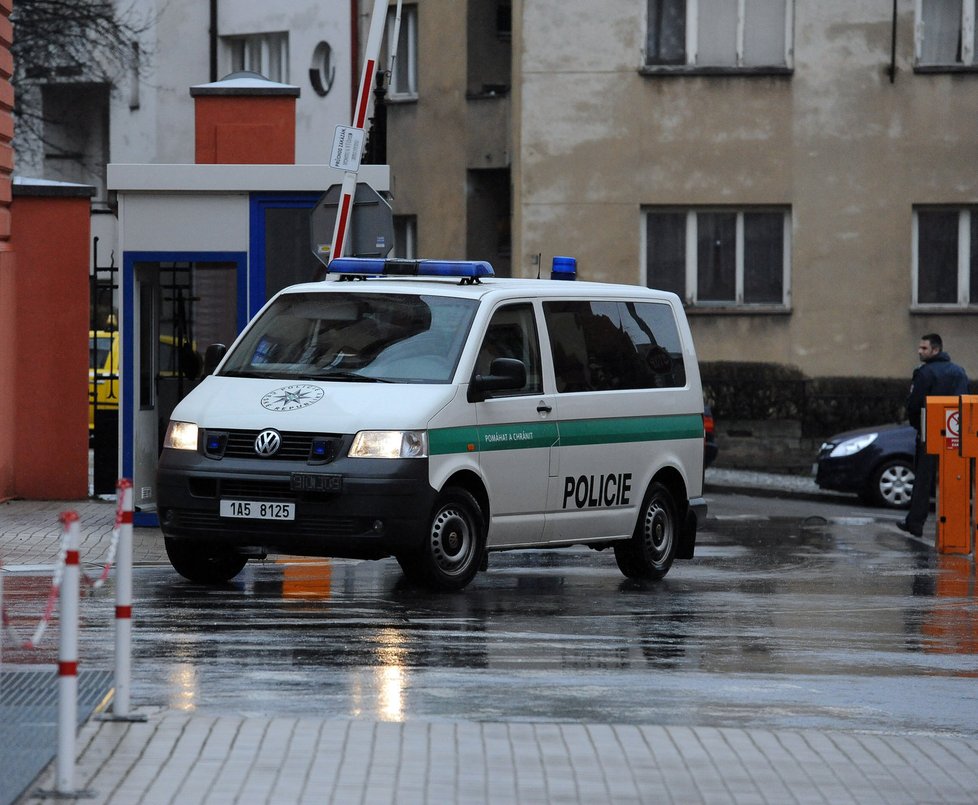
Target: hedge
823,405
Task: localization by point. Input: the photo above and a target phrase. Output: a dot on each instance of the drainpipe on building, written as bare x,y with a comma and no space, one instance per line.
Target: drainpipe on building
213,41
893,43
376,151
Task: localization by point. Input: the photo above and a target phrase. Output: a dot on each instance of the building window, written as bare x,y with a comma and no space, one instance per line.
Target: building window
406,236
727,34
720,257
266,54
945,256
404,73
945,33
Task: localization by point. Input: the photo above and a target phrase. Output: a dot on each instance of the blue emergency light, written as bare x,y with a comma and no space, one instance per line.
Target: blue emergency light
376,267
564,268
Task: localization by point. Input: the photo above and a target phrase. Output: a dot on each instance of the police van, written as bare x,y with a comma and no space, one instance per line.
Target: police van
429,411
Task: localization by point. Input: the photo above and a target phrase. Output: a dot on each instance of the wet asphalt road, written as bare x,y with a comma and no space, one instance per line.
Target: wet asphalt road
792,614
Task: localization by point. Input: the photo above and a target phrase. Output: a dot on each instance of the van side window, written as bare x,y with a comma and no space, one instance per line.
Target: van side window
512,333
601,346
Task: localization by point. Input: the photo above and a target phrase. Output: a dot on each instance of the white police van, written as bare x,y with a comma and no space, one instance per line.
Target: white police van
437,417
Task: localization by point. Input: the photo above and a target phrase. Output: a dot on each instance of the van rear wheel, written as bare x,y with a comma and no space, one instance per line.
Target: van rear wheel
206,564
652,547
453,545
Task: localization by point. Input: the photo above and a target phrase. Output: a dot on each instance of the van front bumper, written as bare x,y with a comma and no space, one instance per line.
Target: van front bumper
378,507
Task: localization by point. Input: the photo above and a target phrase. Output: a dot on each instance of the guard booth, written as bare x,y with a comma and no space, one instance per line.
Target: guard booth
203,247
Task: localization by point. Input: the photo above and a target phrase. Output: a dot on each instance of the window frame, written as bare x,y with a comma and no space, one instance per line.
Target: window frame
740,68
690,298
266,44
963,304
409,20
968,45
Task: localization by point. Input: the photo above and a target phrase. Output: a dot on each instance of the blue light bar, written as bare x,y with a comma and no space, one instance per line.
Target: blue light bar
564,268
374,267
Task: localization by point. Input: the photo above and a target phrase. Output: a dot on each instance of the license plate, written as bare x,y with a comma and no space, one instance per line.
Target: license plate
257,510
315,482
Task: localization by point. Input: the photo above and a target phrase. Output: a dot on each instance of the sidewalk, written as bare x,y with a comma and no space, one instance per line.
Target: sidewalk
182,757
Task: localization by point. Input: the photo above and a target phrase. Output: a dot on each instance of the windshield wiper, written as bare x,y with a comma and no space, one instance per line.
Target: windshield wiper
352,376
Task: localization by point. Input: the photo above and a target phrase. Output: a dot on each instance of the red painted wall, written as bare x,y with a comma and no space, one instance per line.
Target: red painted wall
245,130
50,235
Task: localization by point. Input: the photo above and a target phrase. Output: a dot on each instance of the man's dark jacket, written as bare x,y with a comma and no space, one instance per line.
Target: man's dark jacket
937,377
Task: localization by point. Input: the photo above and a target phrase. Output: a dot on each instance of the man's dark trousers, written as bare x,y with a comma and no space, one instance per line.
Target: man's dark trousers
925,471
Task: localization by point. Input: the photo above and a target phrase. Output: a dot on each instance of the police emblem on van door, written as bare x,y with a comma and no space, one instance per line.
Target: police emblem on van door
292,398
268,442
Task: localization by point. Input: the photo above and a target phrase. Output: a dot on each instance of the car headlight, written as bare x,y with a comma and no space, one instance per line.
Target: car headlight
849,447
389,444
180,436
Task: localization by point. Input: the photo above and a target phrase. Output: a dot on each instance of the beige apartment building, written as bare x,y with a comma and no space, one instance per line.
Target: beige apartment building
804,174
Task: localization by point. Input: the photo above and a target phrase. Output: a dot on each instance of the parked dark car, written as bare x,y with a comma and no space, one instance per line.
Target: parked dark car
875,463
710,448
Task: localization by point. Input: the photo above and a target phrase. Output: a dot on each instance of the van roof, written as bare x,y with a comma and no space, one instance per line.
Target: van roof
492,286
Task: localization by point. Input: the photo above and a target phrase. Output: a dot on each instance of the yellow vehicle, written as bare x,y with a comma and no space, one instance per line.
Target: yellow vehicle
103,373
103,369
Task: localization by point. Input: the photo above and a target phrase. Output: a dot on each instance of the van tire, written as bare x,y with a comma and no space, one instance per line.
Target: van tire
652,547
453,546
203,565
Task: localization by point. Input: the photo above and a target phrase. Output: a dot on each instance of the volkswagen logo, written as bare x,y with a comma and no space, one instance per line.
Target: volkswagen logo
268,443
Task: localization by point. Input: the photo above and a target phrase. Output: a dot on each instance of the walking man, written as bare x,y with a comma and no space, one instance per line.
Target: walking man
935,377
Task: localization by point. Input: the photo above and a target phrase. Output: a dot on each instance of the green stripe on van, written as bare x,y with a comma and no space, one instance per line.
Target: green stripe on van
576,432
520,436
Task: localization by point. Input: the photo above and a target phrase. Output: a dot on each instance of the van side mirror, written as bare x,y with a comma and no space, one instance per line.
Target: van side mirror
505,374
213,356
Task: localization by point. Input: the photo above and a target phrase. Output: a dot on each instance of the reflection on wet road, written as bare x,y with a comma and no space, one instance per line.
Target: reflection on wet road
782,623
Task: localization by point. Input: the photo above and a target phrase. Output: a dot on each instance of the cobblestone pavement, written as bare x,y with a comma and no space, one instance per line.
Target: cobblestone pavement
181,758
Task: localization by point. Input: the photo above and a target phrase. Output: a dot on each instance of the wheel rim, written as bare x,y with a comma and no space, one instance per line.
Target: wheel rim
452,540
657,532
896,485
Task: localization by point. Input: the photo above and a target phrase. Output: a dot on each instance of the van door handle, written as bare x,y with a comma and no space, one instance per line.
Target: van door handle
543,408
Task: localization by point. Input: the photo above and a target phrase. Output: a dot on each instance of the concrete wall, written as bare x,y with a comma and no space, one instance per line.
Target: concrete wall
848,151
426,140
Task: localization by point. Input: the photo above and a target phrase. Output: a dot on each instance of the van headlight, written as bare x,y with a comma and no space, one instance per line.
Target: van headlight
389,444
180,436
850,447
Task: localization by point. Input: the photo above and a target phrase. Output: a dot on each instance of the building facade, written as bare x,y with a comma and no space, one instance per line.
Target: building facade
804,175
139,109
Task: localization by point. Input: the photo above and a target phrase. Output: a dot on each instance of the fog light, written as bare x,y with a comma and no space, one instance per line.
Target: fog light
378,526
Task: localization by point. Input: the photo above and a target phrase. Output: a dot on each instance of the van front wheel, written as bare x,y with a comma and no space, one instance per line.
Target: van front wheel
203,564
453,546
652,547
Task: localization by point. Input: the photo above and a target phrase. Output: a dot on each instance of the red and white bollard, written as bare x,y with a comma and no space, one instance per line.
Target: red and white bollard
68,658
123,601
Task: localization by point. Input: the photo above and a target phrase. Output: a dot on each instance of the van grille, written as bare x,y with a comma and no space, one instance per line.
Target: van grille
295,446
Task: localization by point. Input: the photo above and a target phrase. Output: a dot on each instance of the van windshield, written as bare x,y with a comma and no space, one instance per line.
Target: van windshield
366,337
